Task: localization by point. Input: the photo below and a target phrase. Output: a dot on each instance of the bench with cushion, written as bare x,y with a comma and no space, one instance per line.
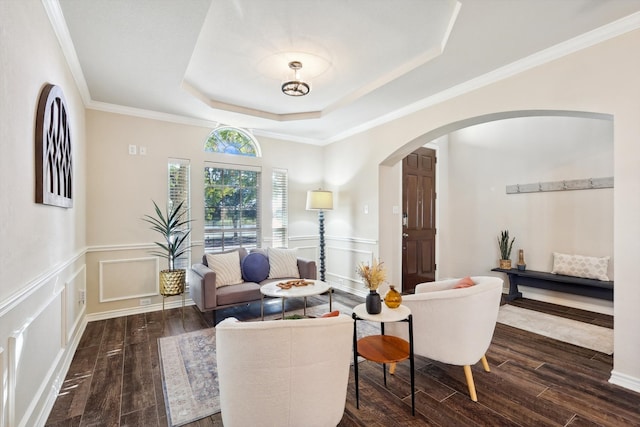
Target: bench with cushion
234,277
574,274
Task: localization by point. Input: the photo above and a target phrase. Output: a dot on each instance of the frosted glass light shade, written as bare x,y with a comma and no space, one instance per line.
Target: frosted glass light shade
319,200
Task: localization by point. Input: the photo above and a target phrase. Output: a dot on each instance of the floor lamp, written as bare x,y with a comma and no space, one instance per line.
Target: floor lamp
320,200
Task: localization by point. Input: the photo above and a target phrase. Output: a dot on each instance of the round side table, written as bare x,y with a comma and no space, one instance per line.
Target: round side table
384,349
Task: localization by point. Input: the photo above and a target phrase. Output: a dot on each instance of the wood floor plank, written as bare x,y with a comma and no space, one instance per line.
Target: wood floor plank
92,335
113,335
138,390
146,417
136,329
72,396
104,400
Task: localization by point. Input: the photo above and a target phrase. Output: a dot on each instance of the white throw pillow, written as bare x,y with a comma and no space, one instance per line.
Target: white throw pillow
283,263
227,268
581,266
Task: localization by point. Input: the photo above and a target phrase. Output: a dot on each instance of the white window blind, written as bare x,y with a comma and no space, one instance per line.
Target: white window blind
179,191
279,208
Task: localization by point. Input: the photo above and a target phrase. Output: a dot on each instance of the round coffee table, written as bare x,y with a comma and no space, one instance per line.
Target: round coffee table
273,290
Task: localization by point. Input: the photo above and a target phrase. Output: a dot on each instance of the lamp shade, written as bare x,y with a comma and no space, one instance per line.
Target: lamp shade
319,200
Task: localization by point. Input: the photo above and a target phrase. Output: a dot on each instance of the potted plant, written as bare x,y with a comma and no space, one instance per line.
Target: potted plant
170,225
505,249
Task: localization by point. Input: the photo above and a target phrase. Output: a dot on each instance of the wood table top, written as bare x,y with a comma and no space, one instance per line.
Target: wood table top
383,348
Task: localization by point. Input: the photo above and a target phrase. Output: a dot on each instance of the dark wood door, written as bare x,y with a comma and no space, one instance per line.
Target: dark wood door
418,218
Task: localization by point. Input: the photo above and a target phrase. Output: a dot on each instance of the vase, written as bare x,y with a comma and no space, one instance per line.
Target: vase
393,298
373,302
172,282
521,264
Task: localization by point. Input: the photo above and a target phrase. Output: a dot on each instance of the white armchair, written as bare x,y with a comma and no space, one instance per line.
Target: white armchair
284,372
453,326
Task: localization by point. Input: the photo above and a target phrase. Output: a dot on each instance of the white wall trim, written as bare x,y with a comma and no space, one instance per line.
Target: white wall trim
303,237
121,247
15,299
360,240
111,314
625,381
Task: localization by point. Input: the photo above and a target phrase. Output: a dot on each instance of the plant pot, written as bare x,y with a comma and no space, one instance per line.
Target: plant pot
172,282
373,303
505,264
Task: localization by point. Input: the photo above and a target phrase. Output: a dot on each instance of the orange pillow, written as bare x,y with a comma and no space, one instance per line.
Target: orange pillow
464,283
333,313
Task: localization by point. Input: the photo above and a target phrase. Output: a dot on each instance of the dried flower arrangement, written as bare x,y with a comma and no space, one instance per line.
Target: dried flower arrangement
373,275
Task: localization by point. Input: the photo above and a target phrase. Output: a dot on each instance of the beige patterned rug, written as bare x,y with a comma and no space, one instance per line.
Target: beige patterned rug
574,332
189,376
189,369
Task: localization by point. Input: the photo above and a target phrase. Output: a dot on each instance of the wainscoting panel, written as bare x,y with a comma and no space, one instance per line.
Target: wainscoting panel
123,279
40,327
34,351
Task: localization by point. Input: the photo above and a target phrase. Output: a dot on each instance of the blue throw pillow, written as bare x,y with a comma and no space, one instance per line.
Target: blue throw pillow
255,267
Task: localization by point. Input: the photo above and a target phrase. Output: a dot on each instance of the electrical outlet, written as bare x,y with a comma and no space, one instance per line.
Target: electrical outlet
133,150
145,301
82,296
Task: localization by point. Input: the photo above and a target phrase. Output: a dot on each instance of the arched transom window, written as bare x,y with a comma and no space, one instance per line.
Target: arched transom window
230,140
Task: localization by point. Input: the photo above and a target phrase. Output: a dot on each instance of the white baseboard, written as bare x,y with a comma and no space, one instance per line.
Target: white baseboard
625,381
103,315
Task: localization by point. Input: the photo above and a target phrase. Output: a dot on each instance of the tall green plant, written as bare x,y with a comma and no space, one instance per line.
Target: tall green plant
505,245
170,225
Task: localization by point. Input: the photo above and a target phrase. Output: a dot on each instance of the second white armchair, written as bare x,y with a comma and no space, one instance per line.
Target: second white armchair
454,326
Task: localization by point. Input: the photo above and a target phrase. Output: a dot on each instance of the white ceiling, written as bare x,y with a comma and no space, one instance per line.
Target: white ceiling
223,61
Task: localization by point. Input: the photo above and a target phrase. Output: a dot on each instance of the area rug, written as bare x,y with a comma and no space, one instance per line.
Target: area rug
189,376
574,332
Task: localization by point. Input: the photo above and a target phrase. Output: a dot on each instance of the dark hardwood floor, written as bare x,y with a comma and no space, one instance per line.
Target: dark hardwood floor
115,379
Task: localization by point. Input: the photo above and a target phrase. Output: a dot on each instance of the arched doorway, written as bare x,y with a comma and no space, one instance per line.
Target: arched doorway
469,233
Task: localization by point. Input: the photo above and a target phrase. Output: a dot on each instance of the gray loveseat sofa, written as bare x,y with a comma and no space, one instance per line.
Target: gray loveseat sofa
209,297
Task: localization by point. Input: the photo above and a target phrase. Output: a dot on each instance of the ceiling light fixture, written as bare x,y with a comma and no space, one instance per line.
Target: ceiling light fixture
295,87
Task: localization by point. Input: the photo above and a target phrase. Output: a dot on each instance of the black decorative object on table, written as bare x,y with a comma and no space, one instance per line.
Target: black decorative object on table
373,302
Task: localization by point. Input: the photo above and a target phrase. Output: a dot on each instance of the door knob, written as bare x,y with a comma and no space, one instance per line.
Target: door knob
405,235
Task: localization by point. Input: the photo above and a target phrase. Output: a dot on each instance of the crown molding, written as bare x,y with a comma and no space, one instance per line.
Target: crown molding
54,12
576,44
583,41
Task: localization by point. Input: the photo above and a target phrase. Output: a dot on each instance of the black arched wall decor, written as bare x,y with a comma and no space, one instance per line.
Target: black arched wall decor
54,173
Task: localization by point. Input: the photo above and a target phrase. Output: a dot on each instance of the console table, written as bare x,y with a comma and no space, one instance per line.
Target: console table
385,349
555,282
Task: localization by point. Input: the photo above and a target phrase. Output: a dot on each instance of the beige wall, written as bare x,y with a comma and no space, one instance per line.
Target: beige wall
42,250
599,79
122,187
